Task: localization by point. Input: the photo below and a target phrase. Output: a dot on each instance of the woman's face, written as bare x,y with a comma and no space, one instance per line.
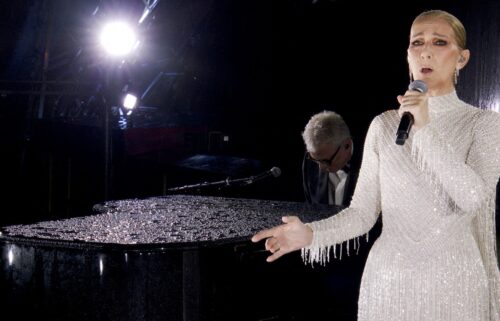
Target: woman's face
433,55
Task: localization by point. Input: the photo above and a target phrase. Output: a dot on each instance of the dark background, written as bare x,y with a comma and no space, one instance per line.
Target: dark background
251,71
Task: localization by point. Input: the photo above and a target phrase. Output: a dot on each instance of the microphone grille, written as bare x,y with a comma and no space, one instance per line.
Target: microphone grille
275,171
418,85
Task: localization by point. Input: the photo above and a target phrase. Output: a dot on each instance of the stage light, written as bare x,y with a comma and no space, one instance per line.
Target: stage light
130,101
118,38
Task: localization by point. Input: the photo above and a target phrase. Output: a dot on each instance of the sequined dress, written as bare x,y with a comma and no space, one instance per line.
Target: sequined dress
435,258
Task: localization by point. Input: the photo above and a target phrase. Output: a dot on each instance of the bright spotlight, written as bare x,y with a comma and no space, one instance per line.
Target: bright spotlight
118,39
130,101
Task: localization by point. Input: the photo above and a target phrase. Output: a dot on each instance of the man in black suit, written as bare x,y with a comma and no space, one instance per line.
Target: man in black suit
328,175
329,171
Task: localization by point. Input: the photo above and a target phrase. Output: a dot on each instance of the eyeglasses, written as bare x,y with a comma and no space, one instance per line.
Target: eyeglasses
325,162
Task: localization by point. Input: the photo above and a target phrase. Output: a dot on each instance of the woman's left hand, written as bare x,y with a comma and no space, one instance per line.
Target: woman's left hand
415,103
285,238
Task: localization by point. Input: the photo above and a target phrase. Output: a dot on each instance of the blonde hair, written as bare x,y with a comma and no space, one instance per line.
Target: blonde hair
455,24
326,127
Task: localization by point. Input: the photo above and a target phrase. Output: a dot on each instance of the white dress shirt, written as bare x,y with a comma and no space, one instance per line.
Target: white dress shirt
336,187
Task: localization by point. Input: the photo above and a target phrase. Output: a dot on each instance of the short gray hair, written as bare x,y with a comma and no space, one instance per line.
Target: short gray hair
326,127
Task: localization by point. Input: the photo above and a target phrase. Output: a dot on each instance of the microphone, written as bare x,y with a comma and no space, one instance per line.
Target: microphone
407,119
274,172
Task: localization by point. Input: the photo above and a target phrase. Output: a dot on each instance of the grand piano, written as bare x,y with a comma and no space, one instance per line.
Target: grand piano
177,257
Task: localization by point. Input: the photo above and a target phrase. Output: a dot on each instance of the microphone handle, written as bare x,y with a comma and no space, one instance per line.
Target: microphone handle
407,121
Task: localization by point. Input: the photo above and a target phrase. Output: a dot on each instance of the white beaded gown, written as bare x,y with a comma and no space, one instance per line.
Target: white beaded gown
436,257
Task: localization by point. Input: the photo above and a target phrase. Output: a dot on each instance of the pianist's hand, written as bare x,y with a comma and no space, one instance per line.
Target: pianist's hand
285,238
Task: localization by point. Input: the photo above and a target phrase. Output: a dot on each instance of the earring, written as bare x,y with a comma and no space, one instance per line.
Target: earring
411,77
455,76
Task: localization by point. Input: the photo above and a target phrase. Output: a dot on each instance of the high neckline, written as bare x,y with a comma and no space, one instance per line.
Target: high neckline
444,103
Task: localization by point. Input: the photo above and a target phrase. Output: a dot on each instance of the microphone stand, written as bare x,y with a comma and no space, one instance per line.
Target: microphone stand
225,183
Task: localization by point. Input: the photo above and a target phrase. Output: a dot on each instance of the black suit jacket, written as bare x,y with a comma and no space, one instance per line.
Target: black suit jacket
337,283
315,183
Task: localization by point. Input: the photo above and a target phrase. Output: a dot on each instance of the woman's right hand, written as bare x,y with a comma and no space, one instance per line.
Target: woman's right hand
415,103
285,238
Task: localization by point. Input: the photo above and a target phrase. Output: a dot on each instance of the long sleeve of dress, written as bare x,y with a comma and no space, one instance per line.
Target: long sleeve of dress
362,214
466,185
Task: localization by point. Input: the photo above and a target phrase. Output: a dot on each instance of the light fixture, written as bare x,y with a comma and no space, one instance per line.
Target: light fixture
130,101
118,39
